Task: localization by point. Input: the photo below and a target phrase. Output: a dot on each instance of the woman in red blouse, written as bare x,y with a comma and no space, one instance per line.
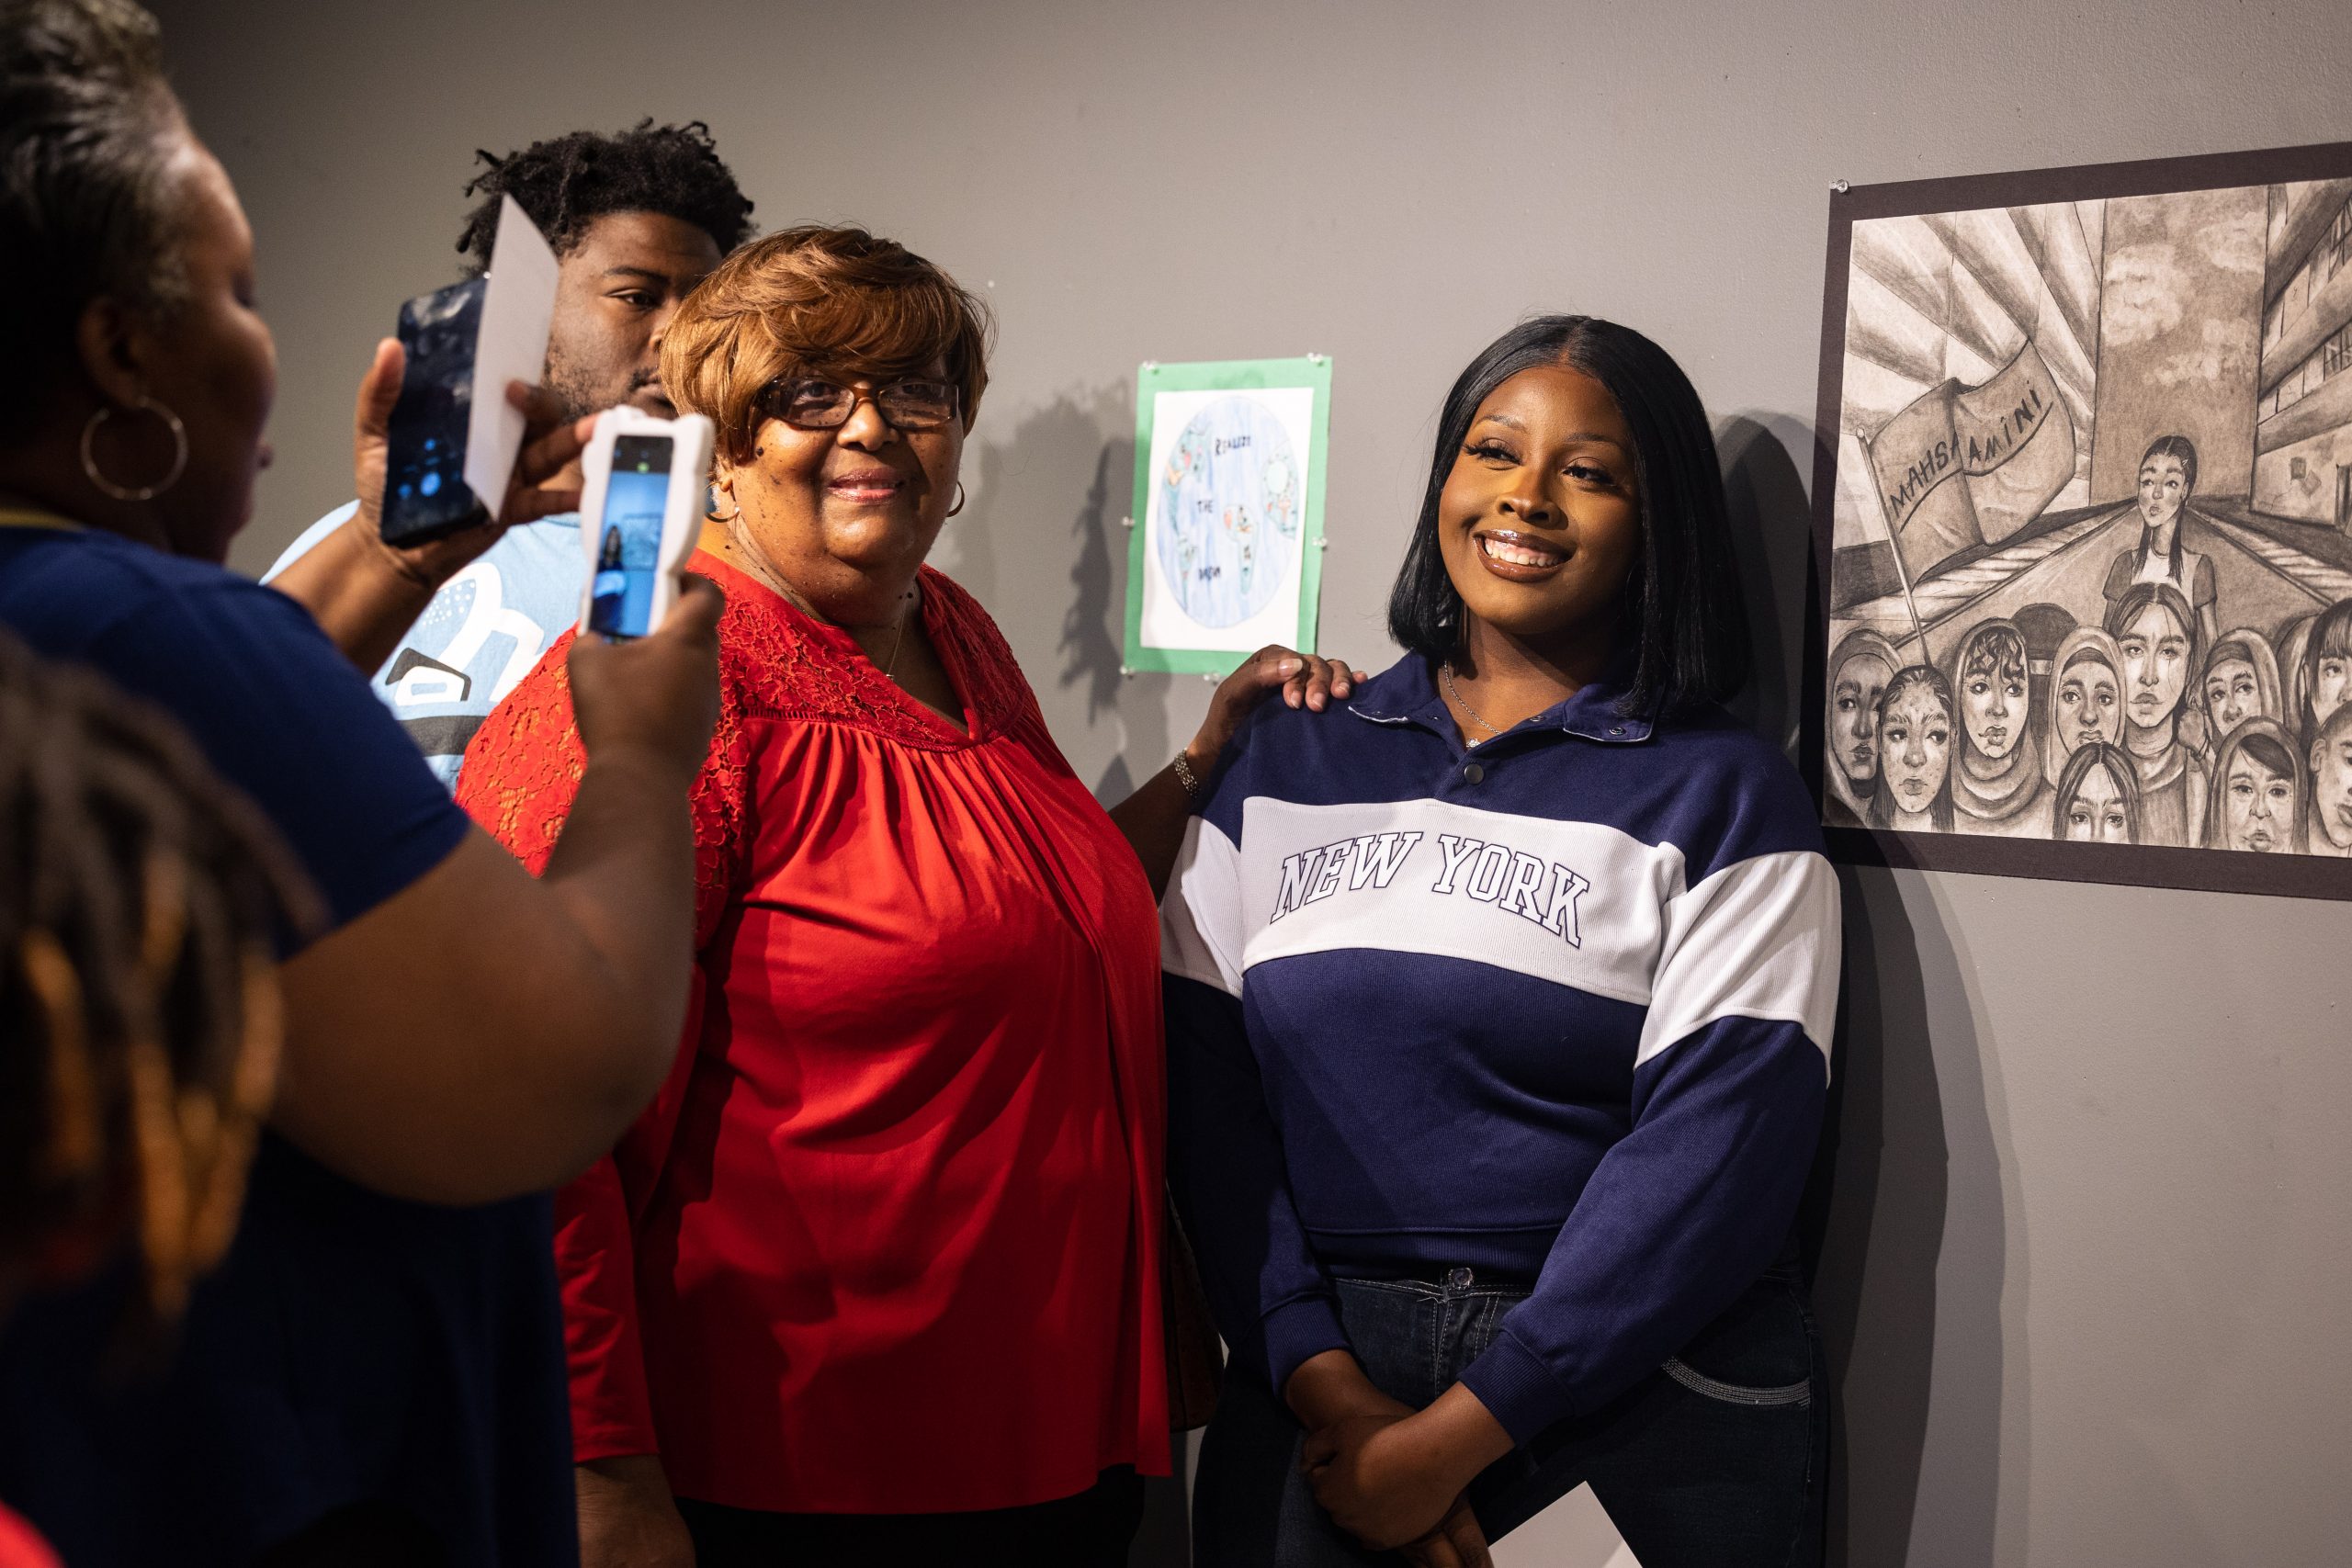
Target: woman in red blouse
875,1278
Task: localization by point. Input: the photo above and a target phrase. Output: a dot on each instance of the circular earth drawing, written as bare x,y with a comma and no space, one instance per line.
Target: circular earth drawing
1229,508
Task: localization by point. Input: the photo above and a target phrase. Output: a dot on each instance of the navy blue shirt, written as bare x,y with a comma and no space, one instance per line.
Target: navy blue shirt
353,1349
1555,1006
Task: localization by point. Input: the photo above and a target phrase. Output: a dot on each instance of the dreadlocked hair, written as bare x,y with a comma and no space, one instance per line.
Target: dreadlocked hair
567,182
140,902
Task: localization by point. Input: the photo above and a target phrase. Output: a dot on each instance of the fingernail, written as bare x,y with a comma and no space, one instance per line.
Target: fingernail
1289,666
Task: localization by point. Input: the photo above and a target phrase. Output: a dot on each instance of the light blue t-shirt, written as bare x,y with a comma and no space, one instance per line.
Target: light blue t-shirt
480,636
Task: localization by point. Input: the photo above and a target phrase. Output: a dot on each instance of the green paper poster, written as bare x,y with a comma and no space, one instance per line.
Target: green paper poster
1226,552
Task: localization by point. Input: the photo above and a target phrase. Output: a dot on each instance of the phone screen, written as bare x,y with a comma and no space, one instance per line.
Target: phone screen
628,552
425,491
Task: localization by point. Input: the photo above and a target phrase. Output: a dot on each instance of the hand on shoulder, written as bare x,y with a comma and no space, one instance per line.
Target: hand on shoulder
1308,681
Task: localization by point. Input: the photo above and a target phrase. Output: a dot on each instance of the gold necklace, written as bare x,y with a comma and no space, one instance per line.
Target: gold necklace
749,556
899,641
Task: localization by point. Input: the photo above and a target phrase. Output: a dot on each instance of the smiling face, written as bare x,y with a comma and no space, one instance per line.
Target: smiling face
615,291
1991,705
2231,693
2097,814
1913,748
2155,665
2090,705
1853,717
2257,804
2163,486
846,512
2331,763
1538,520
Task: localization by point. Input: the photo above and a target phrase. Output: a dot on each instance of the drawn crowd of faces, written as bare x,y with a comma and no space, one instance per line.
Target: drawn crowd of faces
2148,725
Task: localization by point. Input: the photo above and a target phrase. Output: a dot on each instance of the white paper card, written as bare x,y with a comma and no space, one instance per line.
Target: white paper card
516,311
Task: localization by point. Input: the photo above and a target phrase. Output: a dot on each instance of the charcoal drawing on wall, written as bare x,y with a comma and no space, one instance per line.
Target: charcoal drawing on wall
2088,524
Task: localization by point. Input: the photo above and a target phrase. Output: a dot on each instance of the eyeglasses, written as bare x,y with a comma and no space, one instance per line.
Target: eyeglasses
808,403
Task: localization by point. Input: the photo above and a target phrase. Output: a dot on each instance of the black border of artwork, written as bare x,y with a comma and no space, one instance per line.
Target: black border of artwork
2046,860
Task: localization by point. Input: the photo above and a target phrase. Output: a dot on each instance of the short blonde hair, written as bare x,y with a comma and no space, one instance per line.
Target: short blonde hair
817,299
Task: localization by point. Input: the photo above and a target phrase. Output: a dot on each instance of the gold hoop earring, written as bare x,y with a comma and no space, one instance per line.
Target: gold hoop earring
135,492
959,499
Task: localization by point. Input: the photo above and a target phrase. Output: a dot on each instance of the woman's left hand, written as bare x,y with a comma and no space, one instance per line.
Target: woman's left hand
1153,818
1306,680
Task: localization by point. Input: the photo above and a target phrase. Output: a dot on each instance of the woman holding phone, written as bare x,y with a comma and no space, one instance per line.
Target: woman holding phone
375,1365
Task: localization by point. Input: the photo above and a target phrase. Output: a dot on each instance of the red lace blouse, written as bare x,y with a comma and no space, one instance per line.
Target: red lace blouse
887,1242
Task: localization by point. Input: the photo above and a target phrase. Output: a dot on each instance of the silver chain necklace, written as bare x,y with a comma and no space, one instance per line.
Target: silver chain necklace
1447,671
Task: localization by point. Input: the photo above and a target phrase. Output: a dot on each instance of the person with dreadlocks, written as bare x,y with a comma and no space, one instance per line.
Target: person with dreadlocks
141,901
637,219
380,1355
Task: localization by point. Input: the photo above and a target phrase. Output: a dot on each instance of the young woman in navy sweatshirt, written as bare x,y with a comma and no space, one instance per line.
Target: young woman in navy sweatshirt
1498,1017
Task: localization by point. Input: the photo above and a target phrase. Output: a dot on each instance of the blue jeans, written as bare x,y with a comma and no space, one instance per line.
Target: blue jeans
1714,1461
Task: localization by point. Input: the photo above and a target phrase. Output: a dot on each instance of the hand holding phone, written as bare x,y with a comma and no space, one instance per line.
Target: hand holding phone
641,515
453,438
426,493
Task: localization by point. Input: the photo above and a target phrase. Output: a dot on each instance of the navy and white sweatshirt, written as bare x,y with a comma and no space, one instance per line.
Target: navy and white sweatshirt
1556,1006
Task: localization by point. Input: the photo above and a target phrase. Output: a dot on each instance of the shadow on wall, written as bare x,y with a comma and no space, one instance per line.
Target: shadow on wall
1771,528
1912,1253
1072,459
1093,628
1905,1223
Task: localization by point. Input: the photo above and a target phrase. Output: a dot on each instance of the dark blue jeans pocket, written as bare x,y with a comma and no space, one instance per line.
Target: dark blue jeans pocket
1712,1461
1758,1351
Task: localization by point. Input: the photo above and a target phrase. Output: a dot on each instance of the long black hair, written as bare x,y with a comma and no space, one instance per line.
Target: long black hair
1939,809
1683,614
2330,637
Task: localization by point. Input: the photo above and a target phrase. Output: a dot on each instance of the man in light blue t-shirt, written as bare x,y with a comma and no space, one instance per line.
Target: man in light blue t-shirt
637,219
481,634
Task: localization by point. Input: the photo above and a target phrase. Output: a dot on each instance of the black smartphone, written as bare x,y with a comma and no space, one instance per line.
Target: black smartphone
426,493
629,554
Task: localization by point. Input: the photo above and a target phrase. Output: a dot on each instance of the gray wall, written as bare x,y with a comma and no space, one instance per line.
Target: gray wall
2089,1256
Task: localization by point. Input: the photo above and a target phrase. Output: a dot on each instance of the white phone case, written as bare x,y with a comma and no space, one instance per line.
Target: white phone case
691,437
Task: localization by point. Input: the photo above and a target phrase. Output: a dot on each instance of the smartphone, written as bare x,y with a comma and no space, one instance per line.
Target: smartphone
426,493
641,510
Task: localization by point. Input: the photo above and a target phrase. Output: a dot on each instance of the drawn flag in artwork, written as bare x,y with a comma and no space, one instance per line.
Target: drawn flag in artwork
1967,466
